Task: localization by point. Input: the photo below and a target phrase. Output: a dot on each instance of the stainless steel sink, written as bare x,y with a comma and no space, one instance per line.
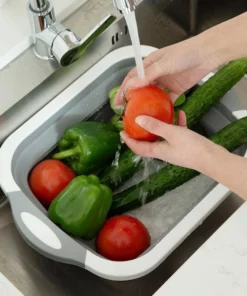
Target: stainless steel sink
161,23
29,83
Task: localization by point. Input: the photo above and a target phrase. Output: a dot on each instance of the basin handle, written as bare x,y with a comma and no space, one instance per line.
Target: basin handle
42,234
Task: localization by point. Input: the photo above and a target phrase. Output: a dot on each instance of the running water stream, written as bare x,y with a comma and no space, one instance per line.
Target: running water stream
134,35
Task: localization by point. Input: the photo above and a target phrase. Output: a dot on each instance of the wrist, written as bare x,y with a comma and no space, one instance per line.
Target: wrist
225,42
213,160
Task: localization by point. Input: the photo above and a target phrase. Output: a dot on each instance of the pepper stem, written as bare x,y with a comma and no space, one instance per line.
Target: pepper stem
67,153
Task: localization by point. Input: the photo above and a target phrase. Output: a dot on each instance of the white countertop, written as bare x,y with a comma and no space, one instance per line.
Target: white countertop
7,288
15,29
219,267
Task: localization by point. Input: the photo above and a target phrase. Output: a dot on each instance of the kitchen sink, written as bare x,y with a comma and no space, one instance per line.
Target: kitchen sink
161,23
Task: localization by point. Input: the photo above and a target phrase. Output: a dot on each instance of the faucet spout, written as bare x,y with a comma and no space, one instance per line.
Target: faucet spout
52,40
125,6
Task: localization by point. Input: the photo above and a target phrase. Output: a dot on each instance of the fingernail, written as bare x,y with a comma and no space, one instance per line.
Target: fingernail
121,94
126,89
140,120
122,135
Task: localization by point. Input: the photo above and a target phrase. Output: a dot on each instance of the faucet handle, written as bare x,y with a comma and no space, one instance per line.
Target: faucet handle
125,6
65,45
52,40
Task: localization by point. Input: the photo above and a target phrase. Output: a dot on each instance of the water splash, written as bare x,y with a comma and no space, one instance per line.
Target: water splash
146,173
115,163
117,155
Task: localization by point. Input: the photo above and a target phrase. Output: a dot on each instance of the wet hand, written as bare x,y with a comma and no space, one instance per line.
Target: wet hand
177,67
181,146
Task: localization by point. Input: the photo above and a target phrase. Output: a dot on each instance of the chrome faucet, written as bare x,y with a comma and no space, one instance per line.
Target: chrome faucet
54,41
125,6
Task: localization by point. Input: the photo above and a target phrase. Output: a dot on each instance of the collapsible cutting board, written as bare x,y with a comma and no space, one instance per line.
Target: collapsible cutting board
39,135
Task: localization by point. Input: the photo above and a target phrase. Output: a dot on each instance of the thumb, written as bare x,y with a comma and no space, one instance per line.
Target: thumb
157,69
182,120
153,72
155,126
136,82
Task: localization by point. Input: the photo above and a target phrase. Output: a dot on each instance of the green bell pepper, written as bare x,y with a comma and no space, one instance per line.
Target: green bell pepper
117,122
88,146
82,207
112,94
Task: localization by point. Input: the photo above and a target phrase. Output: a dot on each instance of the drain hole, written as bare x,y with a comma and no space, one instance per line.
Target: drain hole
112,40
117,37
126,30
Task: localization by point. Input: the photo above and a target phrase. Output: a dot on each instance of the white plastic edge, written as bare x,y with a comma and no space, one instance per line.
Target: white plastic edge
9,147
136,268
97,265
44,233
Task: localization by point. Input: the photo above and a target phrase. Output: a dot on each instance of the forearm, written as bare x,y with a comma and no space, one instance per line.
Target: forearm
228,169
226,41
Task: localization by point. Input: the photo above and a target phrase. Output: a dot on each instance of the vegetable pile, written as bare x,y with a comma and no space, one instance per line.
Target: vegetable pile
77,184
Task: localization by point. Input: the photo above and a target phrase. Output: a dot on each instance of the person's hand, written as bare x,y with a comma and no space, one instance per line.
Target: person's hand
181,146
180,66
177,67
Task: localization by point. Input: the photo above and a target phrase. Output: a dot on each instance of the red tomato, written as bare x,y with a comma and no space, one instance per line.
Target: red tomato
122,238
151,101
48,179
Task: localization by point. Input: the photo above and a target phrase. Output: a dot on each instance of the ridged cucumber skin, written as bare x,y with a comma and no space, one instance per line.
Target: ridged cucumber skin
231,137
211,92
196,106
128,164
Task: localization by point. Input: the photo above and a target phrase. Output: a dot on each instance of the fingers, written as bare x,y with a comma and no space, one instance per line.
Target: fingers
173,96
182,120
155,126
160,150
144,149
132,81
152,73
120,95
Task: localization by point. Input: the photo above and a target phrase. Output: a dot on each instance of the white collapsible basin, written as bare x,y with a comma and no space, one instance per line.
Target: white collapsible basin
37,138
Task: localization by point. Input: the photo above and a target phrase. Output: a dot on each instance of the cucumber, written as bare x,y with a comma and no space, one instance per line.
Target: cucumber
171,176
128,164
197,104
210,93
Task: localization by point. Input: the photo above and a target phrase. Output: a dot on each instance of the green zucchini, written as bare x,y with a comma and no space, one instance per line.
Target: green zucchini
197,104
210,93
128,164
171,176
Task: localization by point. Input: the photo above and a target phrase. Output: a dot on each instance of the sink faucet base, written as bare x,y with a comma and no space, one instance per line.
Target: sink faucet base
41,20
50,38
